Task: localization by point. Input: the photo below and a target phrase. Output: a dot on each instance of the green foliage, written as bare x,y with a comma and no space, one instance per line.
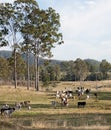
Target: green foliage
81,69
95,76
58,70
21,66
9,26
93,65
4,69
49,73
44,31
105,66
45,77
38,28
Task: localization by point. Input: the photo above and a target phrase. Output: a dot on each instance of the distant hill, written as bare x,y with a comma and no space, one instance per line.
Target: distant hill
92,62
7,54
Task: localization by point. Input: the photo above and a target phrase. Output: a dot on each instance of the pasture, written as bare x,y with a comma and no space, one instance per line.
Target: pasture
96,115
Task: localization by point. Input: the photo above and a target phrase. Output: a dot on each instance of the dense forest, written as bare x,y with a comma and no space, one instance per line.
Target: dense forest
53,70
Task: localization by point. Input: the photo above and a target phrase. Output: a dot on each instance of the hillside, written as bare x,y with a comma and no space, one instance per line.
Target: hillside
92,62
7,54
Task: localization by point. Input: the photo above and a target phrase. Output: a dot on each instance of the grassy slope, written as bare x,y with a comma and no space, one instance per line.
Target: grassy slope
43,115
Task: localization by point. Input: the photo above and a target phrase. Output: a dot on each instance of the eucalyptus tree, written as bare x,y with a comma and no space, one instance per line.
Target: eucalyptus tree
81,69
105,66
25,7
44,32
9,24
3,29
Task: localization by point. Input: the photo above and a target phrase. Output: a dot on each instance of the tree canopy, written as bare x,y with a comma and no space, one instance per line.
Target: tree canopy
31,28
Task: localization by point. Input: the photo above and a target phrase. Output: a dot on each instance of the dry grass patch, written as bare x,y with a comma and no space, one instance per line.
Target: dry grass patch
104,85
43,115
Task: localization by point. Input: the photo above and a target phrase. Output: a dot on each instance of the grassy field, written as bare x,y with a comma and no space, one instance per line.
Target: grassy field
42,116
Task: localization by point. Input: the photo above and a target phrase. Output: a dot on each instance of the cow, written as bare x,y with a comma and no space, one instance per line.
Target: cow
26,103
5,106
81,104
69,94
7,111
64,101
18,106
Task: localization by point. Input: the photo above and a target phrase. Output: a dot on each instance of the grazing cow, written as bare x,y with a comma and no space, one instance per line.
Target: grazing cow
58,94
22,104
69,94
7,111
18,106
26,103
64,101
95,94
81,104
5,106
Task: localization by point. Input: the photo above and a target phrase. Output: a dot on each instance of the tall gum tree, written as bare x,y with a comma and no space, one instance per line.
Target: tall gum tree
81,69
44,33
25,7
105,66
9,29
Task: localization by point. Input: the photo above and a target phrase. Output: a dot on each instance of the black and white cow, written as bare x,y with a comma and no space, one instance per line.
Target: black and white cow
7,111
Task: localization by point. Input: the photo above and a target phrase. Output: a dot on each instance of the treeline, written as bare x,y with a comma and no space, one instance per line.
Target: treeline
52,70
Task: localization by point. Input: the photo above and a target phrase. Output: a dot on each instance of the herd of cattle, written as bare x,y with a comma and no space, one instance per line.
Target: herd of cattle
7,110
63,97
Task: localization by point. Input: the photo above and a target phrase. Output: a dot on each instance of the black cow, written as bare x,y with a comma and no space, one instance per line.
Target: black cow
81,104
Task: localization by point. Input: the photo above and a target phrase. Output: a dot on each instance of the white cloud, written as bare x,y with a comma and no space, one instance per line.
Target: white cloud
6,1
86,27
77,49
88,22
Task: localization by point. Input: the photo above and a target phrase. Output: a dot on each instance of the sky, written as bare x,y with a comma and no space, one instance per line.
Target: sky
86,28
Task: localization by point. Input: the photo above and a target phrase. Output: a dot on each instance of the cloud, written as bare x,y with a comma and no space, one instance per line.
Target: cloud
6,1
86,27
79,49
91,23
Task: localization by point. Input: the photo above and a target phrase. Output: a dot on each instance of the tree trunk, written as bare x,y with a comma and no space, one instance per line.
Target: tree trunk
28,73
15,68
37,66
36,72
37,88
